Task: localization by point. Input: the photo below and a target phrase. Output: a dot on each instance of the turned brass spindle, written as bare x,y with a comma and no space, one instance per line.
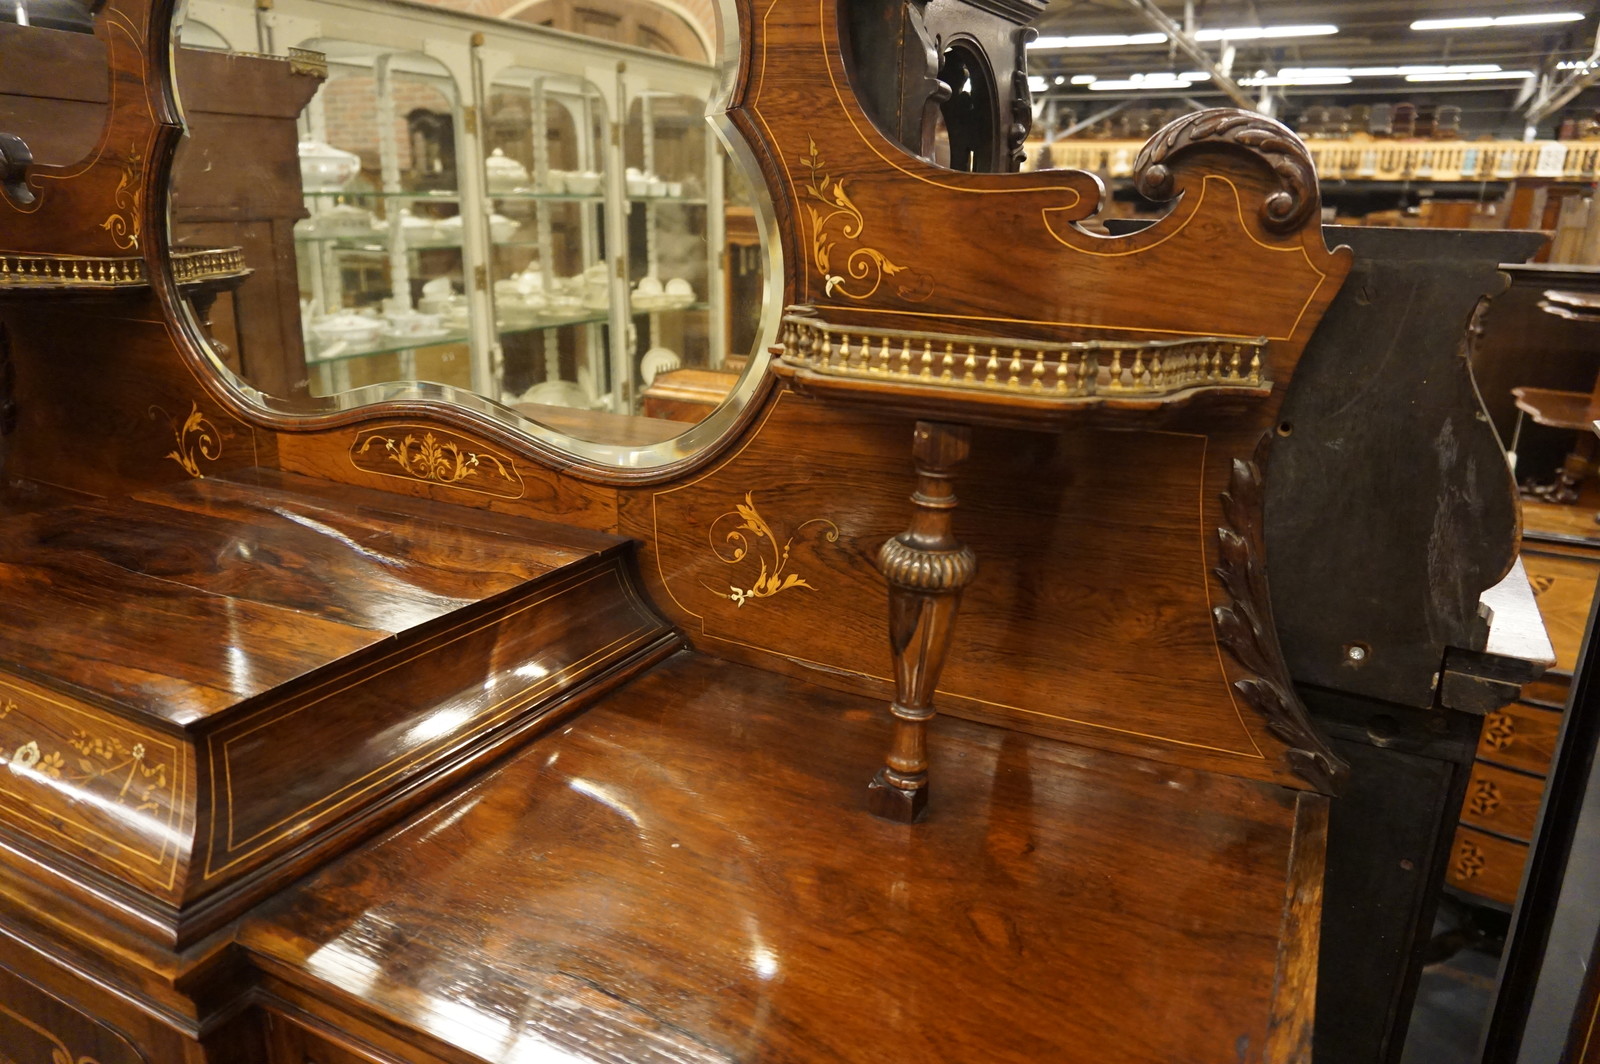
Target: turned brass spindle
927,568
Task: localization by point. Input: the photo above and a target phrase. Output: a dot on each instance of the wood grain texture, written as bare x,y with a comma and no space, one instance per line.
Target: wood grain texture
1502,801
204,687
1564,585
862,205
1486,865
1070,605
583,897
545,495
102,408
98,205
1520,736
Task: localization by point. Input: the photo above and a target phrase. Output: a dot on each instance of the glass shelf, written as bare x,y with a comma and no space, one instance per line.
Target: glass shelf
547,197
676,308
448,196
376,243
588,317
684,201
388,345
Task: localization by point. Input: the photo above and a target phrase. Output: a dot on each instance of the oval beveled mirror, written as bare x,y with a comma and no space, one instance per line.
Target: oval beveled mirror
529,216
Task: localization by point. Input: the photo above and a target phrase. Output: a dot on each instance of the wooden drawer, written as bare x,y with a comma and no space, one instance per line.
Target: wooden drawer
1520,736
1549,691
1487,866
1502,801
290,1041
1563,585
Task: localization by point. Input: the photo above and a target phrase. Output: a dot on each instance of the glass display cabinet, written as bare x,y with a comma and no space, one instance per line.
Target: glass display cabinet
536,218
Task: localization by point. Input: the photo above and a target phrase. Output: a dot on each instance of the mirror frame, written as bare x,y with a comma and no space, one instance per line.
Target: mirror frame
698,445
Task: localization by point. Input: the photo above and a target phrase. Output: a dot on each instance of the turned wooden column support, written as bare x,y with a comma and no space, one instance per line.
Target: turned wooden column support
926,567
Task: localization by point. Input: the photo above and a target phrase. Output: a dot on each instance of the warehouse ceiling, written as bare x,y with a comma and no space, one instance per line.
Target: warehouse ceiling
1370,33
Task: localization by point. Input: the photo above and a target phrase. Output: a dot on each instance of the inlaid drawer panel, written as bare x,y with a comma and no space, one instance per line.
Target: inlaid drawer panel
1520,736
1485,865
1502,801
110,792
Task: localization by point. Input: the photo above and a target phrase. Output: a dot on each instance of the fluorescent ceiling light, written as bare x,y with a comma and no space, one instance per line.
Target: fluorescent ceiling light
1496,76
1083,79
1238,33
1283,79
1037,84
1484,21
1256,33
1148,81
1104,40
1387,71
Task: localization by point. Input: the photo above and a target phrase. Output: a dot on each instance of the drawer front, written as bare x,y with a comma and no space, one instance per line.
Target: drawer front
95,786
1549,691
293,1043
1502,801
1487,866
1563,585
35,1025
1520,736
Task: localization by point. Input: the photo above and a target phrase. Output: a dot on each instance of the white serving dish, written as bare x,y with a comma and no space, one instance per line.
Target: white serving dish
505,173
324,168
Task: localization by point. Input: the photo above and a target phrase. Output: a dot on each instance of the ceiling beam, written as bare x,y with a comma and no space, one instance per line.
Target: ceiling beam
1190,47
1553,97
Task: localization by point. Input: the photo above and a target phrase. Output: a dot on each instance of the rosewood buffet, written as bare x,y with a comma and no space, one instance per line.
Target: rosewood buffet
929,700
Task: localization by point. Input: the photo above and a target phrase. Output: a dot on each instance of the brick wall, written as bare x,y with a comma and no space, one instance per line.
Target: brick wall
350,110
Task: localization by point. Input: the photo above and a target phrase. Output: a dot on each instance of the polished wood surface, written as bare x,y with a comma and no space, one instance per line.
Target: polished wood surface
1562,410
237,184
294,582
1486,865
687,394
581,898
1503,801
686,871
1520,736
204,688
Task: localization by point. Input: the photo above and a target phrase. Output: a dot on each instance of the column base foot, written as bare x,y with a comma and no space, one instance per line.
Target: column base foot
886,800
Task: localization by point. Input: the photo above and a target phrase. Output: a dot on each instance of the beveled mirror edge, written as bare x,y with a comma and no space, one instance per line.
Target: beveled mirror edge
697,446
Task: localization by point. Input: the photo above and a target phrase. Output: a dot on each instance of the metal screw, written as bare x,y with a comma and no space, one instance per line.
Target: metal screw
1355,653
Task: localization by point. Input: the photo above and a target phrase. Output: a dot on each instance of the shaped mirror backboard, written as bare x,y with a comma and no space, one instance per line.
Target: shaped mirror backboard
539,225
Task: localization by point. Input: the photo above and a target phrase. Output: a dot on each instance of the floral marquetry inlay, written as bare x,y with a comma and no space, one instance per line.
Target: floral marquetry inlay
837,228
1470,860
105,765
108,791
744,535
1499,731
1485,798
426,454
123,223
197,440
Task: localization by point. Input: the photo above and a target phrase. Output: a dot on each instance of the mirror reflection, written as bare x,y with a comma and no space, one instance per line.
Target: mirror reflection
427,198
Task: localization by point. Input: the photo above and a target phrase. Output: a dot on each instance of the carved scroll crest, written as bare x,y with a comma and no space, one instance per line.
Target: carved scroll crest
1273,142
1245,627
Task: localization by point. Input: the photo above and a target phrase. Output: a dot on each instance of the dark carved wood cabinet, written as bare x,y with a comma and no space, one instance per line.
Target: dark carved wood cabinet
937,704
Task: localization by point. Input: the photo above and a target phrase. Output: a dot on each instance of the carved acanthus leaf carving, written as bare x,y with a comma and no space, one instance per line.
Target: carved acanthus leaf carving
1272,142
1246,629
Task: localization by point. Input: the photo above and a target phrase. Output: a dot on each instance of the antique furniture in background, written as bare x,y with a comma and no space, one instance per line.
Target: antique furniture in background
946,79
238,185
412,731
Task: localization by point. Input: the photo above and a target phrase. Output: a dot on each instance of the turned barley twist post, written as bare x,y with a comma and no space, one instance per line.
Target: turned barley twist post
926,567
